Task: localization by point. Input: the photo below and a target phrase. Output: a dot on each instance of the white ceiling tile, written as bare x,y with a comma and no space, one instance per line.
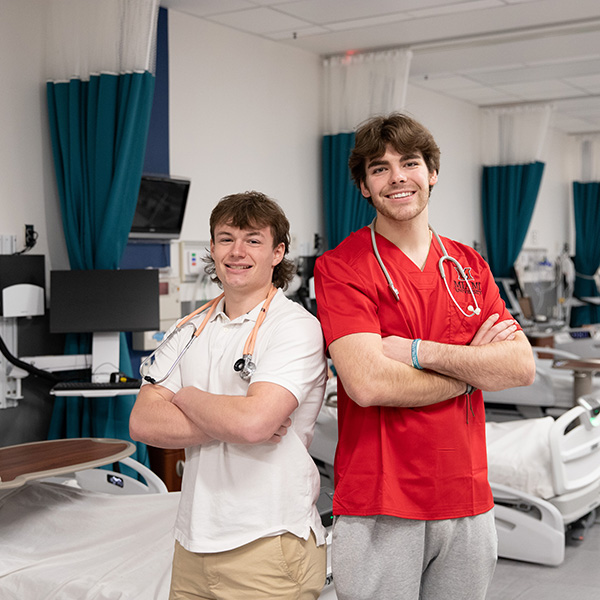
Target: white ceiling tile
456,7
483,96
538,73
444,84
589,85
332,11
258,20
273,3
206,7
540,90
370,22
295,33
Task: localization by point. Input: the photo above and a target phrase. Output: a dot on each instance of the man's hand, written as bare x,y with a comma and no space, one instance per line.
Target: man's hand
276,437
493,330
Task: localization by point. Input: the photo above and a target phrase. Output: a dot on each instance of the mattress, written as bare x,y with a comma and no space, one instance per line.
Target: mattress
519,455
59,542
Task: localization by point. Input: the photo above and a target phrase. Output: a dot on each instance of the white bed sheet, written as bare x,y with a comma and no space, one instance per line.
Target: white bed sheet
58,542
519,455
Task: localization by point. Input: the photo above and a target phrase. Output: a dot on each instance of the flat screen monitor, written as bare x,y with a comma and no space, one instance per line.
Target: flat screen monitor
104,303
104,300
160,207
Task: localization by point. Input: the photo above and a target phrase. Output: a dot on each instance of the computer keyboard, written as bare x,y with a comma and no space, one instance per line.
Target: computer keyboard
70,386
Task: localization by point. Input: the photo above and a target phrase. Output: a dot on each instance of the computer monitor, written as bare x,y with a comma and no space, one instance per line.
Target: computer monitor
160,207
104,303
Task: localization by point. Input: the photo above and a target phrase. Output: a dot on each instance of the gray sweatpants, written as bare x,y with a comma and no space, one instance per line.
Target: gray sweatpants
387,558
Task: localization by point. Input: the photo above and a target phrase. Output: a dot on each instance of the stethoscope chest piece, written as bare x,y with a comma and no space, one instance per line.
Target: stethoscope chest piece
244,366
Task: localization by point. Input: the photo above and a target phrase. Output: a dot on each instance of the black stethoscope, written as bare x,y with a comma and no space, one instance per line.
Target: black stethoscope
245,366
472,309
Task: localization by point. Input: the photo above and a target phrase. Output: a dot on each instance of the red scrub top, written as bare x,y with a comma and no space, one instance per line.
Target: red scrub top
416,463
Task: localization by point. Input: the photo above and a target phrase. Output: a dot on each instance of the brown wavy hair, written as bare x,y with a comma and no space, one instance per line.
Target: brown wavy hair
401,132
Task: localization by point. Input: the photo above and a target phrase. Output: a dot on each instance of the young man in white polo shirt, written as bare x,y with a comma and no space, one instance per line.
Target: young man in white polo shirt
247,526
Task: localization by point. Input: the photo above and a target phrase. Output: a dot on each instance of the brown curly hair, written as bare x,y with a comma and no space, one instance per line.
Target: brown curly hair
250,210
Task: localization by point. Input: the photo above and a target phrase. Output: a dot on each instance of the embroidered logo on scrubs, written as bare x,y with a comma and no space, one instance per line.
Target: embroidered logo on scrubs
461,286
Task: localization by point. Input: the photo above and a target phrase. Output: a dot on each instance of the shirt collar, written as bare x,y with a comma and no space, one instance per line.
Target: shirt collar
251,315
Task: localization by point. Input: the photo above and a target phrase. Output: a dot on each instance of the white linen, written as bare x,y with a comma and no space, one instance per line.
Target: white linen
519,455
59,543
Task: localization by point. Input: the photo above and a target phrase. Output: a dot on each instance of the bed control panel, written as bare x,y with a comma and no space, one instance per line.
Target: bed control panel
591,403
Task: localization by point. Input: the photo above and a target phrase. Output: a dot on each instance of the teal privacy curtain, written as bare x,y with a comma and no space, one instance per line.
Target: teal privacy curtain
98,130
356,87
100,63
345,208
586,208
508,196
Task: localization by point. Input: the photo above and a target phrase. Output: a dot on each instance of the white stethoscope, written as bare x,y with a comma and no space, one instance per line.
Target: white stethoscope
472,309
244,365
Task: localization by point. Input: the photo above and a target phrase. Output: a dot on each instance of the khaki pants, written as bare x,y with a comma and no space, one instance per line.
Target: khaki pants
282,567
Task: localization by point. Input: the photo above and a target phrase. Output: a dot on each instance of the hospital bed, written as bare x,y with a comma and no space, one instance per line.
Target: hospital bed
97,534
545,477
553,391
544,474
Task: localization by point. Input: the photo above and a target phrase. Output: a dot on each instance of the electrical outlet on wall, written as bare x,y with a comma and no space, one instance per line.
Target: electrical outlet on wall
8,243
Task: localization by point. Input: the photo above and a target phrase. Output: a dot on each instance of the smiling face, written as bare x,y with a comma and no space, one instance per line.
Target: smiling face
398,185
244,259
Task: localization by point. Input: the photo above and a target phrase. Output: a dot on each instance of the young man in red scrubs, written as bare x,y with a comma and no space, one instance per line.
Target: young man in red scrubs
413,504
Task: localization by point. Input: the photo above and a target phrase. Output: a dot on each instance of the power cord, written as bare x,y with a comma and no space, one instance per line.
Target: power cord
31,237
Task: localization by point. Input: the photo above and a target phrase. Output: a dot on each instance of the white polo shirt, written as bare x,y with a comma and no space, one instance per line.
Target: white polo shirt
233,494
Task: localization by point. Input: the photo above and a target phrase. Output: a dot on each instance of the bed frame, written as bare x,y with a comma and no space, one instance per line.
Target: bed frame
532,529
95,534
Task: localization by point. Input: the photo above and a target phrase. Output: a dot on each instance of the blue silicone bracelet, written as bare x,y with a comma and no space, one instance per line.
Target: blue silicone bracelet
414,349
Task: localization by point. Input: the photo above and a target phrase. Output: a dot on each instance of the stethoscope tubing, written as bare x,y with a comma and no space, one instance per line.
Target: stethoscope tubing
473,309
244,366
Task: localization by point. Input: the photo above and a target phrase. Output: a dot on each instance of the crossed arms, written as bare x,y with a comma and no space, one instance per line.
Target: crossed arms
193,417
378,371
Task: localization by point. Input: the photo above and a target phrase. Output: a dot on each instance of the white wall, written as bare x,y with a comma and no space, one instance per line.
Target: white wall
552,218
28,186
455,206
244,114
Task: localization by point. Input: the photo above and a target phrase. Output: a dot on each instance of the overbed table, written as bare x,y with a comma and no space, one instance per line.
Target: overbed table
49,458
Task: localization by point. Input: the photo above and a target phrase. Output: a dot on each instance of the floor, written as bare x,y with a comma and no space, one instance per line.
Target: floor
578,578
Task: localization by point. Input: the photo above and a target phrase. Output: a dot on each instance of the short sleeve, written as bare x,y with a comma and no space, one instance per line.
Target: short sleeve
292,355
346,304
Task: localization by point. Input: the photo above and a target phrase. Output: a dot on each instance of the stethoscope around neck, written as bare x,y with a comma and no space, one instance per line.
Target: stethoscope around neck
245,366
472,309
